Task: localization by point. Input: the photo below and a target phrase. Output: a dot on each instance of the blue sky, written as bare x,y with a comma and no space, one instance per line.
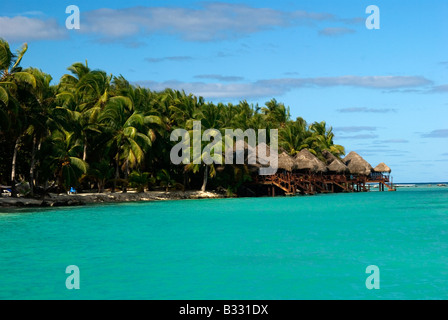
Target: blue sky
385,92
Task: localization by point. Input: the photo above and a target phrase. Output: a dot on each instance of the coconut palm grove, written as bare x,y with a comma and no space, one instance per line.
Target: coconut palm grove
96,131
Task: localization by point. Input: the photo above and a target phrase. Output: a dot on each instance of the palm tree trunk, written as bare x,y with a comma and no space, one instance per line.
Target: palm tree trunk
186,186
84,155
117,174
37,162
204,184
126,175
32,164
101,184
13,168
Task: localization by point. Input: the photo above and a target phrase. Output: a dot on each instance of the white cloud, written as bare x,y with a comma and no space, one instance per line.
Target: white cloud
214,90
174,58
377,82
441,133
219,77
275,87
333,32
395,141
21,28
439,89
212,21
366,110
355,129
359,137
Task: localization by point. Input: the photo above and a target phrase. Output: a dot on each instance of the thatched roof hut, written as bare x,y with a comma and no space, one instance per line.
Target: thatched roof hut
333,163
356,164
305,160
337,166
286,162
329,157
383,168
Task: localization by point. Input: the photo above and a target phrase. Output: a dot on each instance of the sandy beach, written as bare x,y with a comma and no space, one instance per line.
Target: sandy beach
60,200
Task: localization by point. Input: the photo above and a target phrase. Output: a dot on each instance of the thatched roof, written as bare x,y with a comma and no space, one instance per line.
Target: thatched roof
333,163
329,157
382,167
305,160
286,162
356,164
337,166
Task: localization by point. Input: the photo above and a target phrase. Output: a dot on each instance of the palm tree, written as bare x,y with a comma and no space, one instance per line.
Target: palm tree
39,105
165,179
322,139
184,107
101,172
294,136
140,180
68,167
129,136
84,93
15,87
210,118
276,113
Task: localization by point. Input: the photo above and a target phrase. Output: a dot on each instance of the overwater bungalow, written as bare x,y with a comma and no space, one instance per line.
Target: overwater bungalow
382,168
359,169
381,174
337,171
307,174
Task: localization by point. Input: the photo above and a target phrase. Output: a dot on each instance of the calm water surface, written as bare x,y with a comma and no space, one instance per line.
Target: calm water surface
315,247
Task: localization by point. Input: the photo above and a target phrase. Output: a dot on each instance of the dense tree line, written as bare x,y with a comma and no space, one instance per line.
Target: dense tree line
97,131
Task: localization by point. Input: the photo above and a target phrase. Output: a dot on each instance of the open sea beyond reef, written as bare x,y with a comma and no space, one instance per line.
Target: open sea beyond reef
304,247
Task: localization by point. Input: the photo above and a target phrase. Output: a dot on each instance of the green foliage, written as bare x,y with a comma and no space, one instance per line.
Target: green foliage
164,177
140,180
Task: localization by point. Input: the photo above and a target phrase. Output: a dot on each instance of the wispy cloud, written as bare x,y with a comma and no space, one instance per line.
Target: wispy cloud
366,110
271,87
32,13
359,137
439,89
429,90
378,82
372,82
291,73
406,91
355,129
219,77
388,151
215,90
175,58
208,22
441,133
22,28
394,141
334,32
353,21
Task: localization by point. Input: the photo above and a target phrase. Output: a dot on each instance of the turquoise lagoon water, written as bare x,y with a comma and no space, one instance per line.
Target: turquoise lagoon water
305,247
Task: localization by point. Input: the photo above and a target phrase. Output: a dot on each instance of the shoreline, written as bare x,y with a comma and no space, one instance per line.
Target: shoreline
65,200
82,199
